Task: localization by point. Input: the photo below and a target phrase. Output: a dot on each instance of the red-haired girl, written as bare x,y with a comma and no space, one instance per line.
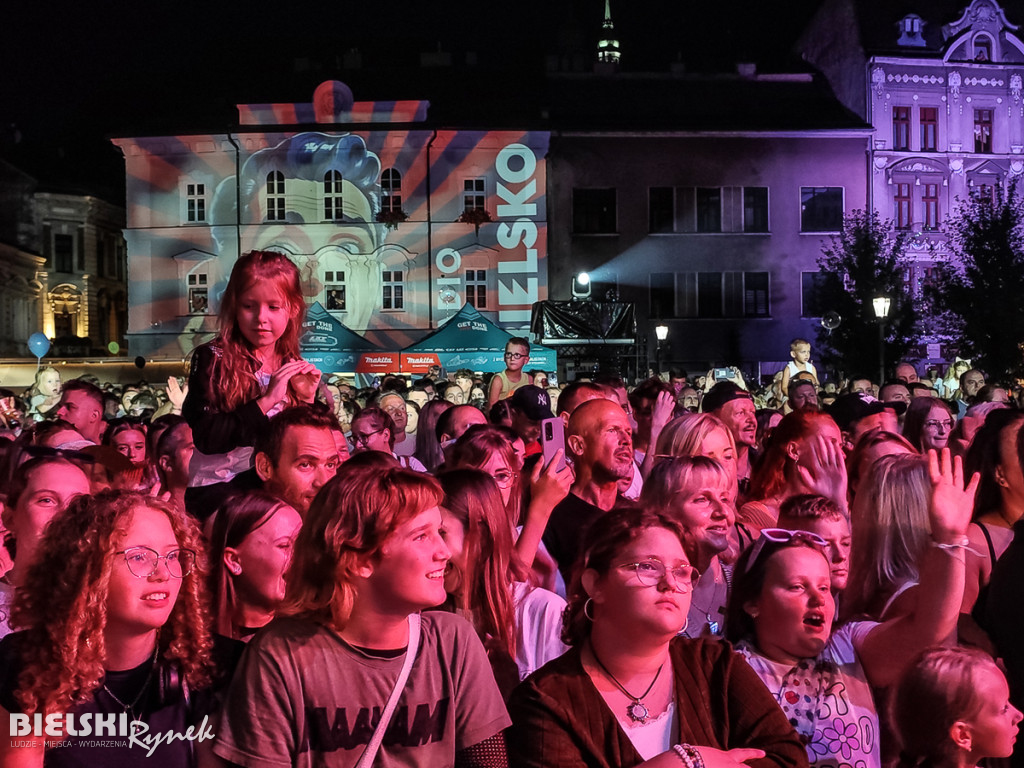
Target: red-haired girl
250,371
349,657
115,623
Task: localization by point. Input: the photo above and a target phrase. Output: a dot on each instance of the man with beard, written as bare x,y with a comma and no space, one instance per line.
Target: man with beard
600,443
735,407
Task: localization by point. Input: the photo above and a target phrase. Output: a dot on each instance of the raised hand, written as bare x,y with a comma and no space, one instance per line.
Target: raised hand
825,474
951,502
549,485
175,393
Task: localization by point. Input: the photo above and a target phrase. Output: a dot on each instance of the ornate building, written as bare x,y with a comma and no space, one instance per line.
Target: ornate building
941,87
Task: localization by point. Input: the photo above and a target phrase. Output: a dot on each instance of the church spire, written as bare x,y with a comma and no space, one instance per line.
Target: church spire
608,45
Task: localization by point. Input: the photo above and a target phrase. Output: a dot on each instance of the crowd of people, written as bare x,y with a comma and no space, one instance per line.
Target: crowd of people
265,565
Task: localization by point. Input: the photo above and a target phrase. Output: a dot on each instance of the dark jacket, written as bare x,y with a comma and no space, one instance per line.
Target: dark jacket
559,719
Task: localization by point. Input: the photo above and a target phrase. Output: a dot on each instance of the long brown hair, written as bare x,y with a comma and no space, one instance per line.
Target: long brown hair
350,520
485,593
237,384
238,516
63,603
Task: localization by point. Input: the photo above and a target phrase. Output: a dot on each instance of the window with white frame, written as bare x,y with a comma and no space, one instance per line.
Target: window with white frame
275,196
476,288
195,203
474,197
333,208
391,190
393,297
198,294
334,291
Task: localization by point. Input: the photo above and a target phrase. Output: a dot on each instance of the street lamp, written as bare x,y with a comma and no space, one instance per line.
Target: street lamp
661,331
881,306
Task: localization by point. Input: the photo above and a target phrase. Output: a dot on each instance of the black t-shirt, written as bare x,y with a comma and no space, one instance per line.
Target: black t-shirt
566,526
163,705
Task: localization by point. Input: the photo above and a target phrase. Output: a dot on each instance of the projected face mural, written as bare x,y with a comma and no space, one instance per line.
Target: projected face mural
372,209
317,196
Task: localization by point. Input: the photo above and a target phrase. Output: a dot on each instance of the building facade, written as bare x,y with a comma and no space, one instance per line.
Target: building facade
705,202
393,224
942,90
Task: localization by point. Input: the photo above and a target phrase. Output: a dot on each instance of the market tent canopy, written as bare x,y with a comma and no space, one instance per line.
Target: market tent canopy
332,347
469,340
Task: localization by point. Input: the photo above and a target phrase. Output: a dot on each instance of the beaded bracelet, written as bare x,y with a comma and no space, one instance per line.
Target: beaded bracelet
681,754
689,754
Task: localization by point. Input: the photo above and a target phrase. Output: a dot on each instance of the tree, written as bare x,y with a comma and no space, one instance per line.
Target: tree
865,260
979,281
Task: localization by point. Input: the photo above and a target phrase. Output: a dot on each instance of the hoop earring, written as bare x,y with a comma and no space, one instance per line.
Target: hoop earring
586,605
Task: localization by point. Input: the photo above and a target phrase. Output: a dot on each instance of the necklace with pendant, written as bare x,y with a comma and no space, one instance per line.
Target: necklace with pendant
130,708
636,711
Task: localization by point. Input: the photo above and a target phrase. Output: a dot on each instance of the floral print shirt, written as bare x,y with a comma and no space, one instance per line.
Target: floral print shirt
827,700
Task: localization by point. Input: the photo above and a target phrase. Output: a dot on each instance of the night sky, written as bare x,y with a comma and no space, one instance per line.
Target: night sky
77,73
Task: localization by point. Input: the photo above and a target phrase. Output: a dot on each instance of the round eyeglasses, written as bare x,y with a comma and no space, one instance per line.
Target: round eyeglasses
651,573
142,562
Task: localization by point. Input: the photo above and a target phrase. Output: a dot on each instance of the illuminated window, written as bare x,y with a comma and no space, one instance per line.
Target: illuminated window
931,206
391,190
902,203
394,290
661,203
275,196
334,291
983,130
901,127
476,288
593,211
473,197
709,209
821,209
333,208
195,203
198,294
929,129
755,209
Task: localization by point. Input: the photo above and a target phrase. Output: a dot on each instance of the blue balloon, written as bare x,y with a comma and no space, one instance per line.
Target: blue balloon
38,344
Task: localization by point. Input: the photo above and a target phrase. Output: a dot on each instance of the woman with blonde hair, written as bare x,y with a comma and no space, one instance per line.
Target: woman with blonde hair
890,537
697,492
699,434
114,622
350,657
951,709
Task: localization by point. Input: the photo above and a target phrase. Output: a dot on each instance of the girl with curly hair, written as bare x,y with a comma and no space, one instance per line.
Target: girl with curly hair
113,622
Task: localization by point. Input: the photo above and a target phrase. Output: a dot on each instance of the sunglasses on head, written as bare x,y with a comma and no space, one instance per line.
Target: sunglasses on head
781,536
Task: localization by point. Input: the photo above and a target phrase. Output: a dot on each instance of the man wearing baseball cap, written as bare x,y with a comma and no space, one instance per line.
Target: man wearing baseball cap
530,406
735,407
